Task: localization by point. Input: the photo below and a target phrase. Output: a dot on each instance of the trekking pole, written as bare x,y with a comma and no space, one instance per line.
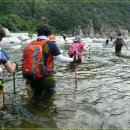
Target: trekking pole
89,53
14,82
14,77
75,70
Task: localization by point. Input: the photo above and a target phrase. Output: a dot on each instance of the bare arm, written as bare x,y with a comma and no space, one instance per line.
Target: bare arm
125,43
11,67
86,48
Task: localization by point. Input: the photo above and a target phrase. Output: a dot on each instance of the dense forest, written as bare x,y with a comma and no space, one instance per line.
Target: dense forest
65,16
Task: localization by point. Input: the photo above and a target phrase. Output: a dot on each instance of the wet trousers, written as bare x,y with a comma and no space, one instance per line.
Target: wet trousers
47,84
118,48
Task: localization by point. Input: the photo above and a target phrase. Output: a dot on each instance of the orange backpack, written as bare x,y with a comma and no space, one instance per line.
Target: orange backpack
33,60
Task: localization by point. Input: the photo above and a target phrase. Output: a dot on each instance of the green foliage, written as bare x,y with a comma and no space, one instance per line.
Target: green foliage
64,16
15,23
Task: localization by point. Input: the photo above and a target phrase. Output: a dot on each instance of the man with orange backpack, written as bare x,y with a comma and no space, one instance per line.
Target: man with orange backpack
37,63
77,46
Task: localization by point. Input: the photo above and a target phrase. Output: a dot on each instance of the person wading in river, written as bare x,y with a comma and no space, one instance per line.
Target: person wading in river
10,67
41,76
107,41
64,37
119,42
52,38
77,46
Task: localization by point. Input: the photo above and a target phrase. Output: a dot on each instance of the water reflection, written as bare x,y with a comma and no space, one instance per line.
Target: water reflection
44,102
23,112
43,107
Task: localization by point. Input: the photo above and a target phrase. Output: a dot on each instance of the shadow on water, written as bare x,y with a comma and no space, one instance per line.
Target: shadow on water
122,55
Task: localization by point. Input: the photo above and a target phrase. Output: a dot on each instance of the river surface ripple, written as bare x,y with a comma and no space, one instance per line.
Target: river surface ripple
101,99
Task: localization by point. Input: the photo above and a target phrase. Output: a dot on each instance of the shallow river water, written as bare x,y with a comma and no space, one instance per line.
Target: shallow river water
100,100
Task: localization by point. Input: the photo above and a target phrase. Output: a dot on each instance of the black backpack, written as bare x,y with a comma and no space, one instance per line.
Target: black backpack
119,41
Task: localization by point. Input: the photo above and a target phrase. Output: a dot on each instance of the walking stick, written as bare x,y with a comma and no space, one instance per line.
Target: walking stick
89,53
75,70
14,82
14,77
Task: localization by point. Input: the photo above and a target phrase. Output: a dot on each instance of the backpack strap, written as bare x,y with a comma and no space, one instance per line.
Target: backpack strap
39,42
